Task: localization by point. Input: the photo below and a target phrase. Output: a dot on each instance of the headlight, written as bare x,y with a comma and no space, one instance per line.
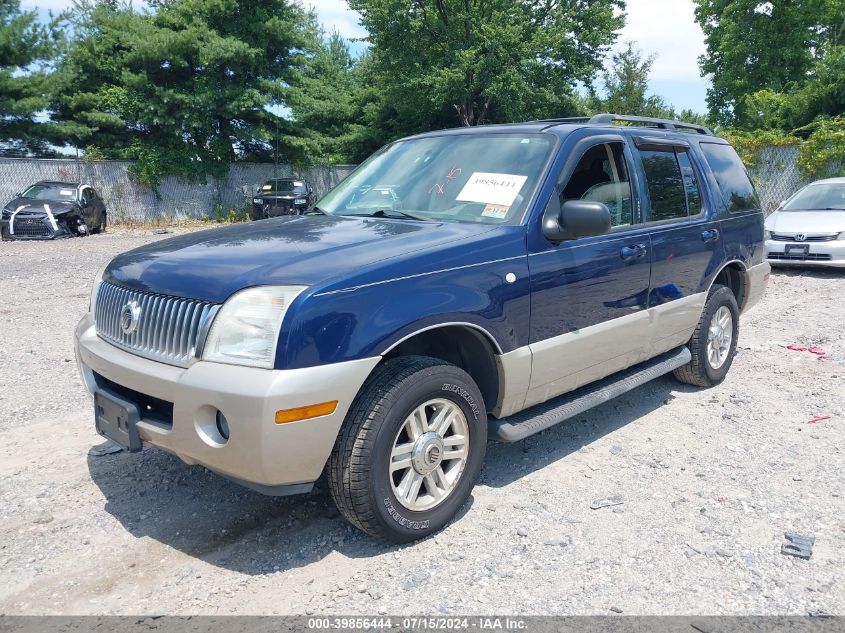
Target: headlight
767,235
299,201
256,200
95,287
842,235
246,329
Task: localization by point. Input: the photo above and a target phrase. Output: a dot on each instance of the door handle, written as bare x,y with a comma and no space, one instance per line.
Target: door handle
629,253
710,235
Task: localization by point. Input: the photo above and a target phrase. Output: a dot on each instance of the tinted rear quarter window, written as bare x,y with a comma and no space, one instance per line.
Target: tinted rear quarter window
738,192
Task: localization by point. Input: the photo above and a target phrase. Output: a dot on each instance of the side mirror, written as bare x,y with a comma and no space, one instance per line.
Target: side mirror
576,218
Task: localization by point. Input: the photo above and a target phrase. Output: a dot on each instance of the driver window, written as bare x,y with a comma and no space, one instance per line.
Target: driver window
602,176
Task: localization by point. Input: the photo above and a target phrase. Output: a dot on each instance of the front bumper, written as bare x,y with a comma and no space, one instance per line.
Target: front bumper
259,453
830,254
34,227
275,209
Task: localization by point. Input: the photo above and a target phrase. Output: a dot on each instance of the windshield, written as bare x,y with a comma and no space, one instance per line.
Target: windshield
51,192
283,186
822,197
485,178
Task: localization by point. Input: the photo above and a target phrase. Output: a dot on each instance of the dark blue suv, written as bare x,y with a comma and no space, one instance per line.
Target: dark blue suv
459,285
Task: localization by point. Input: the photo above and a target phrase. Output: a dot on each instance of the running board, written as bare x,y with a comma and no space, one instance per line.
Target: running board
543,416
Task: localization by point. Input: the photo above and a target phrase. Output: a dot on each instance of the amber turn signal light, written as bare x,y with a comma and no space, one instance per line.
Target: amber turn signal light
305,413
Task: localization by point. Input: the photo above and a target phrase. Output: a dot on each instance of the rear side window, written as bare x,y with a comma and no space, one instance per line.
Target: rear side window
691,187
665,182
738,192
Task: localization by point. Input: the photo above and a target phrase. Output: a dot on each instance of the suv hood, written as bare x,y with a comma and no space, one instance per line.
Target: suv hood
28,205
211,265
806,222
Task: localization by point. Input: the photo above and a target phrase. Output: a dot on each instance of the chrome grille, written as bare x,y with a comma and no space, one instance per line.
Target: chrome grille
168,327
31,227
783,237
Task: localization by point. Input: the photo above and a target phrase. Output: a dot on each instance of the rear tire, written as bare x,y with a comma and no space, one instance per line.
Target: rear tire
402,465
713,344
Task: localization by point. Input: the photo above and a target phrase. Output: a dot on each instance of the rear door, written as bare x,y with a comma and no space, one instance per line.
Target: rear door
685,240
737,205
589,296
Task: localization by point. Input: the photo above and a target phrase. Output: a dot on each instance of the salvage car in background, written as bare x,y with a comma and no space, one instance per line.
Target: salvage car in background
48,210
282,196
809,227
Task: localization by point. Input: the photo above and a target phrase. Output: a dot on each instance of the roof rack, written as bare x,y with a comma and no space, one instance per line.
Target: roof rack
663,124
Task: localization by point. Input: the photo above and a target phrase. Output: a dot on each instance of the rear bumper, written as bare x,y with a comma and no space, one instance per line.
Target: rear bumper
259,453
828,254
756,278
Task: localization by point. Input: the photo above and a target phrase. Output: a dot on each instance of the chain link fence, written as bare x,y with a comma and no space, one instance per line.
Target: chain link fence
128,201
775,173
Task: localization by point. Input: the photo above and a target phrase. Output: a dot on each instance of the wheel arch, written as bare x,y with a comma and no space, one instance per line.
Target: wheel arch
466,345
734,275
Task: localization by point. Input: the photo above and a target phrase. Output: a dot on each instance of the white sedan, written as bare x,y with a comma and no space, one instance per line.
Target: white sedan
809,228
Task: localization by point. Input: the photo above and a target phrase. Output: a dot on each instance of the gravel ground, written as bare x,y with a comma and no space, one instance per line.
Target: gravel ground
709,481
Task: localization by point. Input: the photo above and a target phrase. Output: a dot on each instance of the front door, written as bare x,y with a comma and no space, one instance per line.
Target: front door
589,297
86,201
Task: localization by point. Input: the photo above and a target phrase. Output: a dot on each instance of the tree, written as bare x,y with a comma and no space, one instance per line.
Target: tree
625,83
821,95
184,90
440,63
25,48
754,46
326,103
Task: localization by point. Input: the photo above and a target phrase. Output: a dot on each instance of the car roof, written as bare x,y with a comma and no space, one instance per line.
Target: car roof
61,183
561,127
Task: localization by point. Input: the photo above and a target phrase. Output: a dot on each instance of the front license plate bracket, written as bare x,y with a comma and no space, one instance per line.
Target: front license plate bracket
803,249
117,419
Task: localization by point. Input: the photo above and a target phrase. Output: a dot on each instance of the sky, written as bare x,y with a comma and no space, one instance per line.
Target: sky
662,27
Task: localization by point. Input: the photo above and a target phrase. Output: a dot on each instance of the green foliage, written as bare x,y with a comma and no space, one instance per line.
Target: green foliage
820,155
754,46
184,90
25,47
231,215
154,162
440,63
625,84
92,153
749,144
326,103
821,94
823,154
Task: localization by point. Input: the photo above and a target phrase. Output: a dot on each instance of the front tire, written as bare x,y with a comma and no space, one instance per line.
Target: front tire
713,344
411,449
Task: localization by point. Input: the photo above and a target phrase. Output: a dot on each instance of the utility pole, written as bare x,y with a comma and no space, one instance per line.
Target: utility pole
276,160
